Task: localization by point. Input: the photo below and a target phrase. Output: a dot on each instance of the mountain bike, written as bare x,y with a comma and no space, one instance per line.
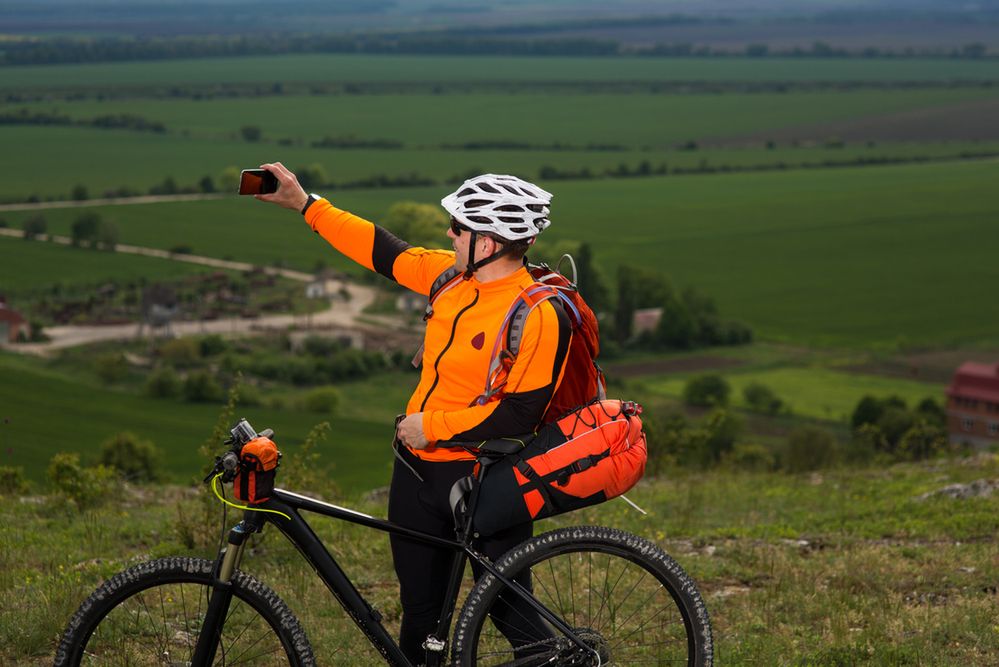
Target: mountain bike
597,596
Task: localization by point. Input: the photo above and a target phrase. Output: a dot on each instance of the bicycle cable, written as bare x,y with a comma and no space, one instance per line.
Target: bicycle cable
242,507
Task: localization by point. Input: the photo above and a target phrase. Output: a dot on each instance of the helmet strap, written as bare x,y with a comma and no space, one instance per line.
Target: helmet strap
474,266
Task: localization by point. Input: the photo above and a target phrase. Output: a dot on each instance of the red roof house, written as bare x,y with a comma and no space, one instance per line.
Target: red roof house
973,404
12,324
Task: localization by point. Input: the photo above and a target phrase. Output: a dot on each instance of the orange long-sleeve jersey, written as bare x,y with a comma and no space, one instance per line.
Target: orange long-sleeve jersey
460,337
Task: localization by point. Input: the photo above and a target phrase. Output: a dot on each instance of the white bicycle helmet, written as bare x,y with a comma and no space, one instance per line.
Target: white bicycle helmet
506,206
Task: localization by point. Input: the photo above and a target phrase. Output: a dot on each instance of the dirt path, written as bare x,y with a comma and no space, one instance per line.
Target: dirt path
179,257
116,201
341,312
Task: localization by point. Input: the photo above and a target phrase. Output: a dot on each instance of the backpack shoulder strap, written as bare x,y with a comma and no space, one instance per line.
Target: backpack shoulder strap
445,281
512,329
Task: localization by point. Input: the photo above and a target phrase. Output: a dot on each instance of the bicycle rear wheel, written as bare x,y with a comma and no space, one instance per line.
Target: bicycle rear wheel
151,614
622,595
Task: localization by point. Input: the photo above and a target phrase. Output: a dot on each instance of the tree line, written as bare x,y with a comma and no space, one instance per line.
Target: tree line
121,121
61,49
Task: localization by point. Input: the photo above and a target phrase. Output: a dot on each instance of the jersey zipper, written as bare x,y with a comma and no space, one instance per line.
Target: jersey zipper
454,329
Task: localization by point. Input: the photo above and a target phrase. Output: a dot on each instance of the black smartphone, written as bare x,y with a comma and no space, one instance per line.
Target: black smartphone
257,182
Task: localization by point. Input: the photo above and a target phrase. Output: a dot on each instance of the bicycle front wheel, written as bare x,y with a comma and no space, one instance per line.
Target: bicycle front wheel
151,614
623,596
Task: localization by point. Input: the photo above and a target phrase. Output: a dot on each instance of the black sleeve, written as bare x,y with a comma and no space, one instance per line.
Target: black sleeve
520,413
386,248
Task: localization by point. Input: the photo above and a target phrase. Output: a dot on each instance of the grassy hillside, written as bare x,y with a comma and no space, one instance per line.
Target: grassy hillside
837,568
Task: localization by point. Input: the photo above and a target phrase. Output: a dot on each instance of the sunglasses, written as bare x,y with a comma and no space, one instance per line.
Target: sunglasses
457,228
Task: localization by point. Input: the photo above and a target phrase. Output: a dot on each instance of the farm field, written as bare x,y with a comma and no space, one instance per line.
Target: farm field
45,411
124,159
337,68
633,121
32,266
840,257
819,393
187,161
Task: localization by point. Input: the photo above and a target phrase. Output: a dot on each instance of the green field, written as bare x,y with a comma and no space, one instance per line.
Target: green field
854,257
43,412
31,266
634,121
815,392
125,159
443,69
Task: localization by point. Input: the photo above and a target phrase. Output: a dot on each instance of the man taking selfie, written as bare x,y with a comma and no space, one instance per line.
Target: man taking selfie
494,221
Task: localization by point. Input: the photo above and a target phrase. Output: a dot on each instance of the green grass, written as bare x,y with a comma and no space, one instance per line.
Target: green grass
841,257
574,119
139,160
33,266
834,568
815,392
44,411
444,69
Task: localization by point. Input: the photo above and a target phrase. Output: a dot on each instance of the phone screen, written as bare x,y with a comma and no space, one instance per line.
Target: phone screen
257,182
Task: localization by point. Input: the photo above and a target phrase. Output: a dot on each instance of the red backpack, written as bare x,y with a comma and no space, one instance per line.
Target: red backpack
582,379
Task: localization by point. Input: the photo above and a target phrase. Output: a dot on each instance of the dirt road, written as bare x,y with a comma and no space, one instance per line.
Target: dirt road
340,313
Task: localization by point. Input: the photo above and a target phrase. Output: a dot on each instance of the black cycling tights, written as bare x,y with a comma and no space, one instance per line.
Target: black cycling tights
423,569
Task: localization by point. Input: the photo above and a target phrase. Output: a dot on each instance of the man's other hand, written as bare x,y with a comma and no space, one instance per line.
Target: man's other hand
289,193
410,431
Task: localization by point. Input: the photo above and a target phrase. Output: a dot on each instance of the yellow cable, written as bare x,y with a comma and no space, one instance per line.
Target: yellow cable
242,507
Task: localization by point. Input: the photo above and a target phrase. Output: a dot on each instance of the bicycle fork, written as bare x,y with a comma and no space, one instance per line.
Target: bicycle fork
218,605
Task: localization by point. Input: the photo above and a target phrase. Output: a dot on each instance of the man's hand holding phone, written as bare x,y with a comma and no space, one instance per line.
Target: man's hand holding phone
289,193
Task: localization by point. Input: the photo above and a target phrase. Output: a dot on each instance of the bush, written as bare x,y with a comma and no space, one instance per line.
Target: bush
249,395
894,423
180,352
866,443
931,412
163,383
12,481
751,456
319,346
869,409
85,487
111,367
201,387
922,441
137,460
706,391
721,429
324,400
762,399
213,345
84,229
35,226
808,448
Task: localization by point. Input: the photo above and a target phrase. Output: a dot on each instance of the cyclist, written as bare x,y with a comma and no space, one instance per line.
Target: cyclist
494,220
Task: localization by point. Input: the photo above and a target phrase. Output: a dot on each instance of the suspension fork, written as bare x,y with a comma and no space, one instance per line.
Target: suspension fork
218,605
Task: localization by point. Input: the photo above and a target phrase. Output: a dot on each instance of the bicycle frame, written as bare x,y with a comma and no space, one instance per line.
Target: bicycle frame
367,619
